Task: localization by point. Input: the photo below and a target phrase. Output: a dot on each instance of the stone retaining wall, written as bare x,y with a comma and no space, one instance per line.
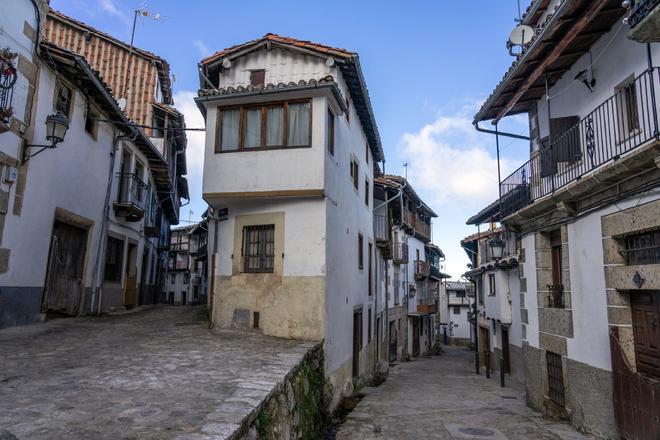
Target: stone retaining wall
295,409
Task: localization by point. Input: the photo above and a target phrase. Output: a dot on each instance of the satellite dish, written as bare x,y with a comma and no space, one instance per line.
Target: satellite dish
521,35
330,62
122,103
226,64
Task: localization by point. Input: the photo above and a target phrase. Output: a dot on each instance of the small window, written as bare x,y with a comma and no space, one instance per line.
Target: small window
366,153
330,133
258,249
360,252
642,248
460,294
355,170
186,278
347,113
257,77
369,327
457,310
255,320
91,122
366,192
113,260
627,108
63,100
491,284
172,278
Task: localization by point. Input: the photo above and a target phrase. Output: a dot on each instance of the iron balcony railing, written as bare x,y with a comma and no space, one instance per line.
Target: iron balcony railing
640,10
556,296
132,190
626,120
7,81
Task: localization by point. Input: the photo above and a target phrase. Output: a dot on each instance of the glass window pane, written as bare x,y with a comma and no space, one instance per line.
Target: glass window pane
253,127
229,129
275,126
299,124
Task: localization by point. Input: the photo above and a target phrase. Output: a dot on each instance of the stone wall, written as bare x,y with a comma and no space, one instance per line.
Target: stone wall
295,409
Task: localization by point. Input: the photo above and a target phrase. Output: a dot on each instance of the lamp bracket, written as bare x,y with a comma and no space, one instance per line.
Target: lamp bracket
26,156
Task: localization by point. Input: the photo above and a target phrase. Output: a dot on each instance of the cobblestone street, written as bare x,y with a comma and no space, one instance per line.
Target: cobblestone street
159,373
442,398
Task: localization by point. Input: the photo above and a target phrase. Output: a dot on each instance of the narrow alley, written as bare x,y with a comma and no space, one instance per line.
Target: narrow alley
441,398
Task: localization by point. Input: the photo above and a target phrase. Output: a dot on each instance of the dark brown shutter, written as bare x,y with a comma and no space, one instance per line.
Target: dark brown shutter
257,77
565,134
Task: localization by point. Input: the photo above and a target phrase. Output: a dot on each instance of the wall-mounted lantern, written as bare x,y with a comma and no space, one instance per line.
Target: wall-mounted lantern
56,128
497,246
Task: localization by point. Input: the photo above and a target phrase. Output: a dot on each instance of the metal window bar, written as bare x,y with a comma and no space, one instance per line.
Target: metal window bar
556,296
132,190
7,80
642,248
555,378
623,122
258,248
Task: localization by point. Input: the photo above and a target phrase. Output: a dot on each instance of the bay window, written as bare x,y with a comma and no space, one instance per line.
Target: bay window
267,126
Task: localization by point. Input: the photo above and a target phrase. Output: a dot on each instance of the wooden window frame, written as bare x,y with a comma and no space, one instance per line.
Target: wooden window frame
355,171
93,116
56,99
366,192
262,252
492,291
455,312
370,271
264,106
256,72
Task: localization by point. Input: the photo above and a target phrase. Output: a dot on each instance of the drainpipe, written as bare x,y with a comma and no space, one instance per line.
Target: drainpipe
97,295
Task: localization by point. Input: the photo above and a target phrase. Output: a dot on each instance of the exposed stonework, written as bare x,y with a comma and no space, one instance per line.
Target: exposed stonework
4,260
555,344
556,321
637,218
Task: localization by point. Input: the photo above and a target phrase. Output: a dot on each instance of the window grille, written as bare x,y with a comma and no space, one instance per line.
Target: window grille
555,378
642,248
258,248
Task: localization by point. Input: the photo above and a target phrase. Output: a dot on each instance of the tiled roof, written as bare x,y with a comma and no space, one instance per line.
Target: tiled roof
490,212
335,51
269,87
482,234
396,182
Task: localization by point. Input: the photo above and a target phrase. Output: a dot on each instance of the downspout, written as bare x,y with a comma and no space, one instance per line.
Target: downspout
98,273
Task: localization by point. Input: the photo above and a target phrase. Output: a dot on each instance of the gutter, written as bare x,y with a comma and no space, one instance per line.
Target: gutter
501,133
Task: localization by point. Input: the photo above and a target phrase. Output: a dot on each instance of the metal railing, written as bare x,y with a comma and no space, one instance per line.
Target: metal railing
132,190
641,9
622,123
400,253
7,81
381,227
556,296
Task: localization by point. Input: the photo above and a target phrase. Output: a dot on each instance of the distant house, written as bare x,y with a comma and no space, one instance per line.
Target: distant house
455,311
186,282
291,150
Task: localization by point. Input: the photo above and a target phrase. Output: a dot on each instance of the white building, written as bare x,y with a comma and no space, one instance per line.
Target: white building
454,312
81,222
186,282
584,212
291,149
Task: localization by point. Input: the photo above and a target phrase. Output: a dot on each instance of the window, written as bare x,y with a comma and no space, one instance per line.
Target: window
172,278
257,77
395,285
255,320
642,248
90,122
460,294
556,289
366,153
555,378
366,192
264,126
491,284
355,170
258,248
114,255
186,278
480,290
457,310
627,110
63,100
360,252
330,132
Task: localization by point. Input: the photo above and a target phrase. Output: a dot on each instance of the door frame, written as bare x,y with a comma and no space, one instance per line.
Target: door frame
358,323
65,216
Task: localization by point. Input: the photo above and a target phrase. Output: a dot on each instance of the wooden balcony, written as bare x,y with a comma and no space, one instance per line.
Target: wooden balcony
408,220
422,270
131,197
422,230
400,253
427,308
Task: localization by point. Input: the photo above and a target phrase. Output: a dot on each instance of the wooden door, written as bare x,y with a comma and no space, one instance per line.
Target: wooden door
416,330
378,338
64,278
484,344
357,341
505,350
130,288
393,342
646,330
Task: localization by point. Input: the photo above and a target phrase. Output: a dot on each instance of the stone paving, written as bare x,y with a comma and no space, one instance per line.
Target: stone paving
154,374
442,398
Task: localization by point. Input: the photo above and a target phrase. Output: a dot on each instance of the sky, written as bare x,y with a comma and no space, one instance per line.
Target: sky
428,66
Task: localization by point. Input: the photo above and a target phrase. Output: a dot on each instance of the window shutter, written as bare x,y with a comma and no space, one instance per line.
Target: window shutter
565,133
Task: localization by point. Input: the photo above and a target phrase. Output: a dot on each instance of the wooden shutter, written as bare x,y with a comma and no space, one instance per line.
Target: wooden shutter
565,134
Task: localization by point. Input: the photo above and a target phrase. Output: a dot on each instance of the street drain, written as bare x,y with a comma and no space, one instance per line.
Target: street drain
482,432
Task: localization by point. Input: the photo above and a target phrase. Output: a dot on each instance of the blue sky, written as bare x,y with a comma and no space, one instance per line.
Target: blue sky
428,66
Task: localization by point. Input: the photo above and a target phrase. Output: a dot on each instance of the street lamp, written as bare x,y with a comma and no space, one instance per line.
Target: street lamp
56,127
497,246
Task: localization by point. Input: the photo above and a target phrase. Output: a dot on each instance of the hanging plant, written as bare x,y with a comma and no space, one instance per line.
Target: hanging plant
7,70
5,113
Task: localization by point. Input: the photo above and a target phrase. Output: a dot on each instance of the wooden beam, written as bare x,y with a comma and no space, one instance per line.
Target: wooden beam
592,11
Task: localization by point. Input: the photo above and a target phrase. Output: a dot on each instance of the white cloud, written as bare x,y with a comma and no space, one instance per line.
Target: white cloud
111,8
202,48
